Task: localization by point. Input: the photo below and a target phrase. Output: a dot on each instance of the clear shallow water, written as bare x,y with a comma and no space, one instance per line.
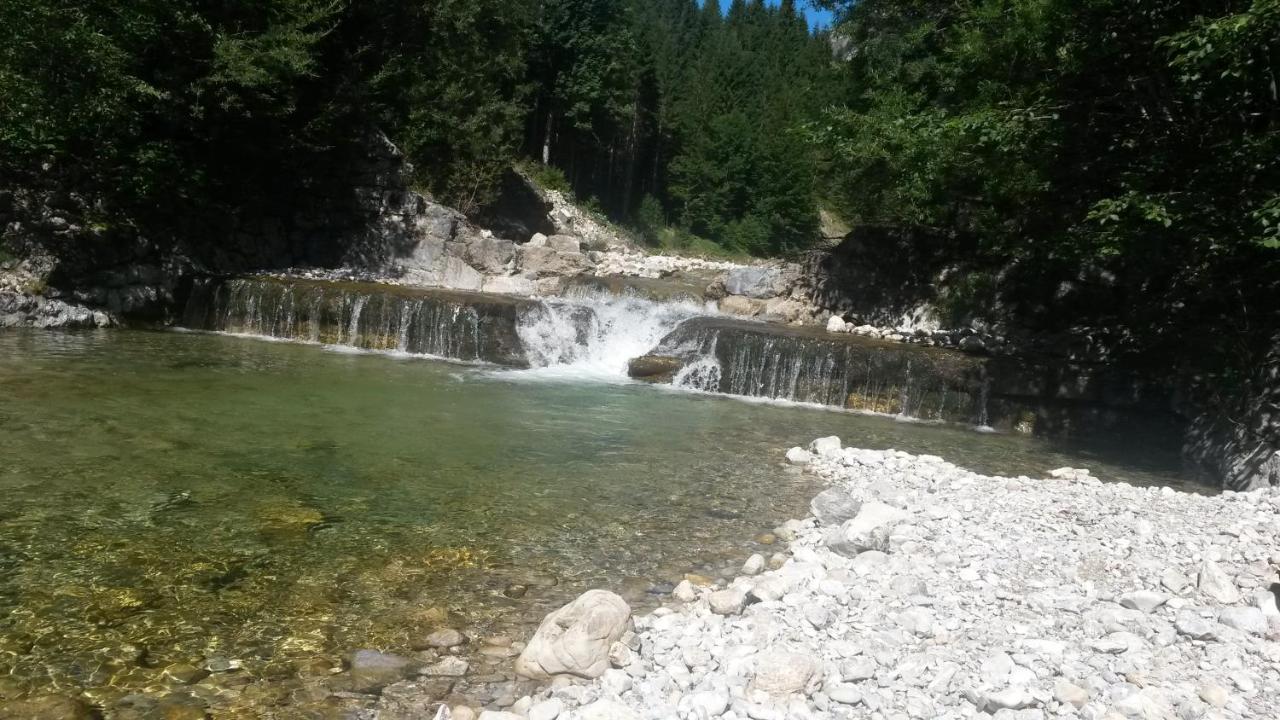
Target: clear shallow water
175,497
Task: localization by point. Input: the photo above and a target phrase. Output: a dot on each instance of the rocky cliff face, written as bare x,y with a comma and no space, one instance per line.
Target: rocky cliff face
1235,438
71,267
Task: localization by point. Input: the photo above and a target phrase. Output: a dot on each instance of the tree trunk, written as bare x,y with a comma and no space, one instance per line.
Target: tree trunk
546,140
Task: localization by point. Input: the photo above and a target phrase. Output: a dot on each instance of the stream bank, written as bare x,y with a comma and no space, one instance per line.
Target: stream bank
918,589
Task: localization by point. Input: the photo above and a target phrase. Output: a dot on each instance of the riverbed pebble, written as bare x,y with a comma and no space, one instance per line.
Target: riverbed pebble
951,594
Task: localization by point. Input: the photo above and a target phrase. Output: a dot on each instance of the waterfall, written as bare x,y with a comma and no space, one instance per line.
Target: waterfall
360,316
592,334
808,366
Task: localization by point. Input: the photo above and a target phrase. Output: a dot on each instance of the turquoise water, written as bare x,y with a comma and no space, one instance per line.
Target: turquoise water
171,498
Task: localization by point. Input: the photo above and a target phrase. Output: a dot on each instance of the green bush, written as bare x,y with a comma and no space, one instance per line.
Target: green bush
547,177
650,219
749,234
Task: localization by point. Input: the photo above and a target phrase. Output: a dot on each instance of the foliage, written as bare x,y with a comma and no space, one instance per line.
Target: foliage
201,110
664,99
198,108
651,219
1139,138
547,177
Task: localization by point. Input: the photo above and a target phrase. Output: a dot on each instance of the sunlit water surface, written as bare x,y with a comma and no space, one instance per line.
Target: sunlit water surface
176,497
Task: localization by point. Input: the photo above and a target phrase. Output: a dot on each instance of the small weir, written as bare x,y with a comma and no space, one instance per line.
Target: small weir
597,332
812,366
367,316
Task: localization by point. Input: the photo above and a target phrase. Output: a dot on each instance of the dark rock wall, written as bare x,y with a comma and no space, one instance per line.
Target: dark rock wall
1234,437
350,206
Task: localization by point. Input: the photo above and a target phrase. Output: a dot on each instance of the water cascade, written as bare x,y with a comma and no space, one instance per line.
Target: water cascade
592,334
459,326
597,333
811,366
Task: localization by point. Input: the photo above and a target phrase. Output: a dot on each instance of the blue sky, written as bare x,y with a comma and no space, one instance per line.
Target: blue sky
816,17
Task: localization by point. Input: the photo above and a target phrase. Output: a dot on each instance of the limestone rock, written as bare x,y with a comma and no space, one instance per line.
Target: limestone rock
1143,600
1195,627
799,456
606,710
711,704
1215,695
834,506
444,638
758,283
458,275
546,710
1070,694
826,447
575,639
869,530
1215,583
372,670
782,671
1174,581
770,588
741,306
727,602
1014,698
786,310
754,565
1245,619
46,707
685,591
509,285
835,323
546,261
564,243
447,667
491,255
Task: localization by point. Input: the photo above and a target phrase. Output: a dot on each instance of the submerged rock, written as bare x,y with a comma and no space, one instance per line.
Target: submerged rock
654,368
373,670
575,640
442,638
46,707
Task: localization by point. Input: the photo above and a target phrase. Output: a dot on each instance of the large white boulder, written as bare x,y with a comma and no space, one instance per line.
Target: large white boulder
575,639
826,447
837,324
799,456
784,670
869,530
834,506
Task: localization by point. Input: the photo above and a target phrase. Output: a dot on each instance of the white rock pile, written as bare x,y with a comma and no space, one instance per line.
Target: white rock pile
920,590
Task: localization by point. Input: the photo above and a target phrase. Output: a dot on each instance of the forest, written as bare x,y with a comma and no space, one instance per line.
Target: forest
1129,143
658,112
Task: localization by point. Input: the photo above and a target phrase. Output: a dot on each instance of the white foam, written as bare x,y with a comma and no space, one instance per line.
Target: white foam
591,335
